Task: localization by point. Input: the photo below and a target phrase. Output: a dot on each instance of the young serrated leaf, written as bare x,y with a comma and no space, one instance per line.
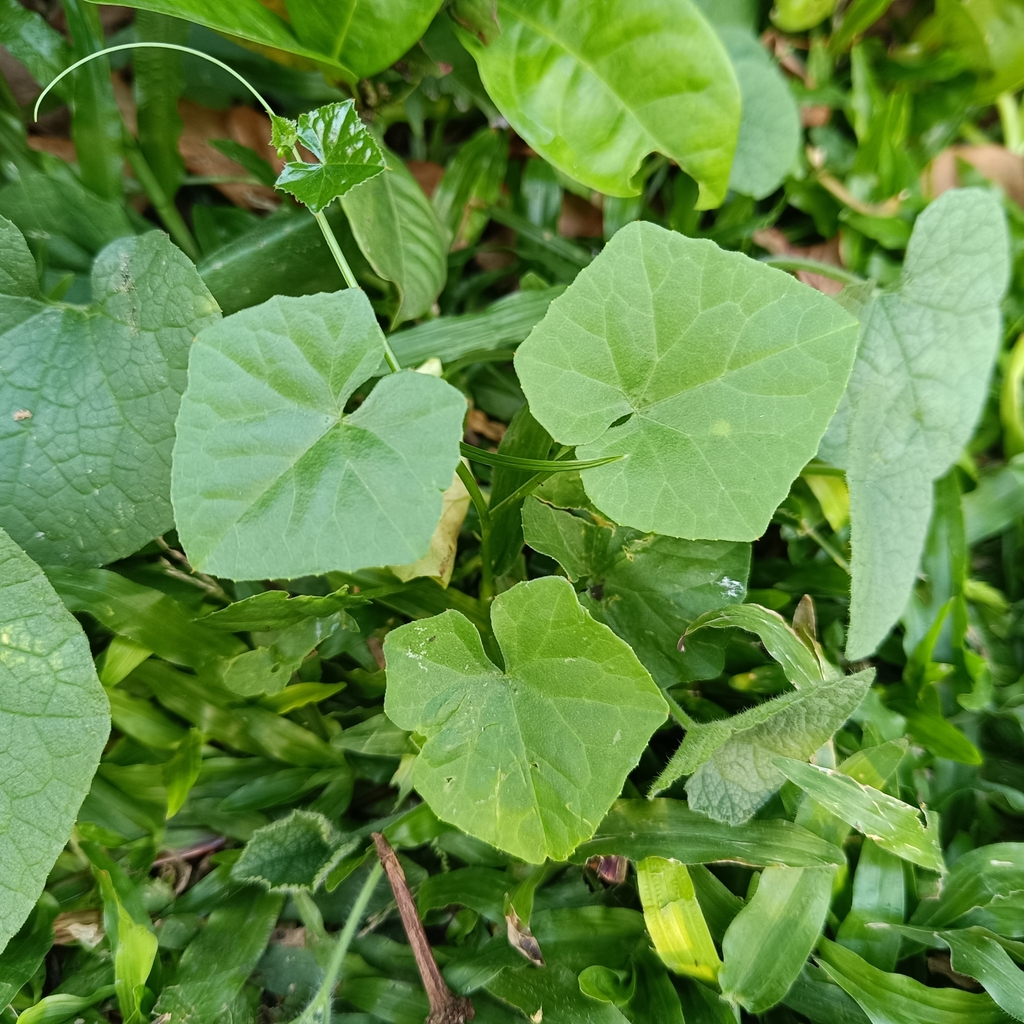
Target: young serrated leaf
272,478
54,721
528,759
892,824
347,153
723,372
291,854
915,394
648,588
284,133
731,762
91,397
769,940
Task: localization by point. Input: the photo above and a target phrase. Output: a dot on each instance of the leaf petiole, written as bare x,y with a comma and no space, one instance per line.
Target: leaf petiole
484,514
319,1009
537,465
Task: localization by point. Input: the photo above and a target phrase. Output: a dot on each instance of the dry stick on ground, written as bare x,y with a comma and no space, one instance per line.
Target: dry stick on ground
445,1006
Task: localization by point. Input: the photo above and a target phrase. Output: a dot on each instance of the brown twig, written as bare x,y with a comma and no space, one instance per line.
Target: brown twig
445,1006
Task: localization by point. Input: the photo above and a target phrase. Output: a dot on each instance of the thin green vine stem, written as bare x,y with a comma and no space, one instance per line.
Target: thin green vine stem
484,515
325,227
319,1009
153,46
164,205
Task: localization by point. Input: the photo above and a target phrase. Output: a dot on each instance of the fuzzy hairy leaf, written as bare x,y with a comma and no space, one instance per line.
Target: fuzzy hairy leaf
531,758
769,135
348,154
724,373
54,720
92,396
648,588
916,392
290,854
273,479
596,85
731,762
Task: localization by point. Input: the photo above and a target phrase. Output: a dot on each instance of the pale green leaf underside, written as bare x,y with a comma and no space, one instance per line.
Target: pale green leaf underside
769,136
401,237
596,85
272,479
731,762
531,758
356,37
648,588
54,721
916,392
89,399
347,153
727,370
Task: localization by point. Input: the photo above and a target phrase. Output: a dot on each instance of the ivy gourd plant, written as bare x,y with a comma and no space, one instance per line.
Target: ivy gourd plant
550,531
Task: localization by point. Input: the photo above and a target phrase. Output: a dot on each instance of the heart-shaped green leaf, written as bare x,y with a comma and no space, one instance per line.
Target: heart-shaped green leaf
272,478
715,374
89,399
54,721
348,154
596,86
531,758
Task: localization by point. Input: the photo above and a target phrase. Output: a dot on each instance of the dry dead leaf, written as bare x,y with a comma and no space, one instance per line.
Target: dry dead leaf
579,218
84,926
202,125
815,116
996,163
478,423
428,175
778,244
439,561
